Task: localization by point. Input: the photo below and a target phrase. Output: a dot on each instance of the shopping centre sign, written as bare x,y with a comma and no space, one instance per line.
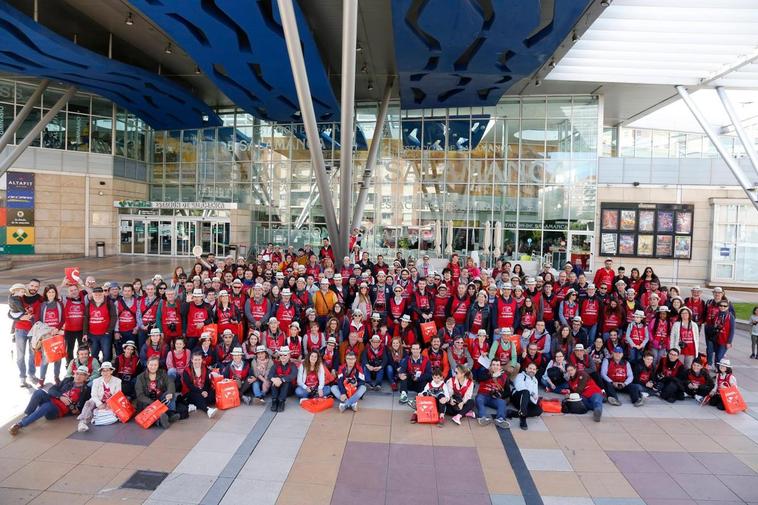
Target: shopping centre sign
144,204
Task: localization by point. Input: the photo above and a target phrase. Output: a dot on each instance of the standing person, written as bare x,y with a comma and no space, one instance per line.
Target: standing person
580,382
154,384
324,301
51,313
28,302
461,387
659,330
195,315
494,391
685,335
618,377
605,275
127,317
723,332
754,333
99,322
349,376
73,321
103,388
60,401
169,317
525,395
283,377
637,336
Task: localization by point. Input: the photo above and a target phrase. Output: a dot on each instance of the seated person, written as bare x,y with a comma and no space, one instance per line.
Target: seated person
617,376
373,361
283,377
667,381
310,378
724,379
178,360
494,391
581,383
555,375
697,381
239,371
196,385
458,354
414,372
437,389
260,368
504,350
84,358
153,384
351,383
154,347
127,368
60,401
525,395
103,388
644,374
437,356
532,355
461,388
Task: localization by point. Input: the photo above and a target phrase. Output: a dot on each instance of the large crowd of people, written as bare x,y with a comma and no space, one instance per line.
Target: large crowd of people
298,323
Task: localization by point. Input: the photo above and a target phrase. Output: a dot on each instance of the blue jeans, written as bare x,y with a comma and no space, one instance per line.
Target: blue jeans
484,401
591,332
379,377
43,368
25,364
635,355
101,343
561,385
720,351
594,402
391,374
353,399
258,390
302,393
40,405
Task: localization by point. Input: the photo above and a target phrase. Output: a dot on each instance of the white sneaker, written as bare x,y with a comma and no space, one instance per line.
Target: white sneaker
645,394
191,408
354,407
82,427
699,398
211,412
403,397
342,407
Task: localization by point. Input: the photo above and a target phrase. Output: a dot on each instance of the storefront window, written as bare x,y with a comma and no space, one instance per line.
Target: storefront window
735,243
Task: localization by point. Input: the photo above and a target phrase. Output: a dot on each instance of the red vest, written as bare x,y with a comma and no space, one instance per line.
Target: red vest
435,358
582,364
74,315
617,371
196,320
171,315
416,367
590,311
296,348
258,309
528,319
311,380
461,389
275,341
491,384
397,309
126,367
637,335
181,362
725,382
285,315
697,379
548,312
149,314
569,311
127,316
99,318
504,355
239,374
611,321
686,335
644,375
374,356
506,313
53,316
590,387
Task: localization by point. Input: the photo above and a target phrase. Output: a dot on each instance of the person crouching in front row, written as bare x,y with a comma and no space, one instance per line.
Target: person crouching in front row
239,371
310,378
60,401
414,372
283,376
494,390
584,385
350,376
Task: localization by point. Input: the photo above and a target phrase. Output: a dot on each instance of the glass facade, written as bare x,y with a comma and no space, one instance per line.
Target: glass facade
528,163
645,143
734,255
86,124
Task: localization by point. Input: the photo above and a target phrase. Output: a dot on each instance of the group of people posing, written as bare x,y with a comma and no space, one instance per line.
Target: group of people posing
294,323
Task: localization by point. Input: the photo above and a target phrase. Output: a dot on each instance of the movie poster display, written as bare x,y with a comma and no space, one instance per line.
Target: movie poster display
649,230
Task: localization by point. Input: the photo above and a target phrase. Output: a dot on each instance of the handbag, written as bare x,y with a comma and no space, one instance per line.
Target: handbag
569,407
55,348
426,410
151,414
316,405
428,330
227,394
732,400
121,407
213,330
104,417
551,406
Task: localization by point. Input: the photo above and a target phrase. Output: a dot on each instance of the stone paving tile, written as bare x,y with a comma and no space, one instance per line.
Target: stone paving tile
651,486
607,485
546,459
723,464
9,466
114,455
38,475
590,461
266,468
705,487
17,496
559,484
744,486
635,462
159,459
679,463
57,498
507,499
467,498
199,462
129,433
299,493
69,451
420,478
85,479
618,501
566,500
351,495
258,492
183,488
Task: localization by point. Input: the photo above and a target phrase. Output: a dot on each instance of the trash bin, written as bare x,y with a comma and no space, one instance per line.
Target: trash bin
233,251
100,249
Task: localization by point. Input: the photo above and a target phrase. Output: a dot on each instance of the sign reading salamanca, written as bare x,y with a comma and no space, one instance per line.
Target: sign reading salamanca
144,204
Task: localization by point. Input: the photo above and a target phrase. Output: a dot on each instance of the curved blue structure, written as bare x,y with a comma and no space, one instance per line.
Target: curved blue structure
239,44
469,52
30,49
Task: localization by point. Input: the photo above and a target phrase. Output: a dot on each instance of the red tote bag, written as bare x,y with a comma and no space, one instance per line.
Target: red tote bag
121,407
426,410
551,406
227,394
316,405
55,348
428,330
151,414
732,399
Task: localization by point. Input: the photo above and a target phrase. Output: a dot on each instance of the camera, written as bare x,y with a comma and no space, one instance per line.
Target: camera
457,397
172,326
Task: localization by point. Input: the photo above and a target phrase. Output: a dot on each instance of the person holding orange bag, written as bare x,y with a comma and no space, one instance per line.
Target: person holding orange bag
154,384
724,379
103,388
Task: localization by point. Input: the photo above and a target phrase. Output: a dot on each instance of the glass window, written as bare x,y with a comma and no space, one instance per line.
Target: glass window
79,104
585,139
643,143
101,107
26,126
6,115
660,144
102,135
77,132
7,91
532,135
530,205
694,146
529,244
54,134
559,107
533,108
172,173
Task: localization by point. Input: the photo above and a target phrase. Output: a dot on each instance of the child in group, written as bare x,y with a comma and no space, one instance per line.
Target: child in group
724,379
436,388
461,389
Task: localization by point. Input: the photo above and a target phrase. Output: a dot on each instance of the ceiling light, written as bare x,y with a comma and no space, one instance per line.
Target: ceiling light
553,63
358,47
168,49
197,70
574,37
605,3
370,86
129,19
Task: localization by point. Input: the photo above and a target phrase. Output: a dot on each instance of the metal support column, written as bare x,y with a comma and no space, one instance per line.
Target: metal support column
750,190
295,50
373,153
22,114
347,129
21,146
747,142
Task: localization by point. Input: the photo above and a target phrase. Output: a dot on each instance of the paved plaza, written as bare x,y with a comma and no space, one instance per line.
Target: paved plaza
659,454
